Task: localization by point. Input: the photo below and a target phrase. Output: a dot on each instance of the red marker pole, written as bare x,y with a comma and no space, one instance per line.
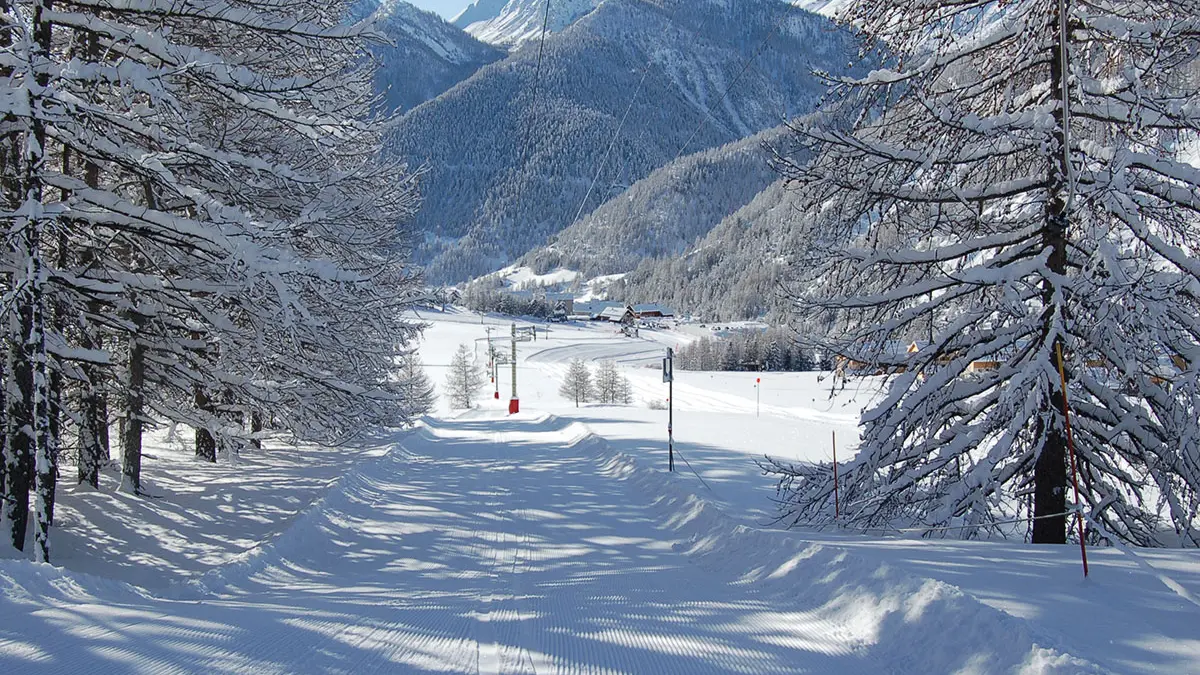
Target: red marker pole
757,394
1062,374
514,404
837,511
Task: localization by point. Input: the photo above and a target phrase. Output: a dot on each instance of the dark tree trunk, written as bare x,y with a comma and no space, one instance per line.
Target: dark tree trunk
131,451
256,425
18,471
1050,468
95,449
206,445
1050,490
93,427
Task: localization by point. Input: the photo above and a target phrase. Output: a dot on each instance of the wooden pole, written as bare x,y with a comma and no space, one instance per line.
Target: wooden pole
1062,374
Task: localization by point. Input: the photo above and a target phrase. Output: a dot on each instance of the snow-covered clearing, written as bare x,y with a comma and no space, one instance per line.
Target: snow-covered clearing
555,541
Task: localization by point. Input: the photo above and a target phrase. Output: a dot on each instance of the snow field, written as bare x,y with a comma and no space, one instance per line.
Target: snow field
486,545
554,541
198,516
1122,618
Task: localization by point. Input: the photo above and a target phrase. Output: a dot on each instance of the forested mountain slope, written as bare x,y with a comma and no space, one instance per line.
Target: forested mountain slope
664,214
732,273
427,57
485,205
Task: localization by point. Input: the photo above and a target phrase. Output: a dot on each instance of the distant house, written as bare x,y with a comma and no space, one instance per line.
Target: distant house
652,311
591,309
622,315
565,301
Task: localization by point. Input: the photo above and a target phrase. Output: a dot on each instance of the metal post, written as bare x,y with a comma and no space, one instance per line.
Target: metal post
669,373
757,395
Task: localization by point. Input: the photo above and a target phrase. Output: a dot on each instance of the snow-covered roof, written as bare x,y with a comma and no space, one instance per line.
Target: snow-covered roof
650,307
615,313
594,307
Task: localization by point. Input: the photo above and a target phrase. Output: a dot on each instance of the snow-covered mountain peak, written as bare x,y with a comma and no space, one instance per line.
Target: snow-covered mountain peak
480,10
828,8
510,23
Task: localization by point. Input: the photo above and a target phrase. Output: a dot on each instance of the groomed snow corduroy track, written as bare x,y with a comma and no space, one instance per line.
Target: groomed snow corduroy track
481,545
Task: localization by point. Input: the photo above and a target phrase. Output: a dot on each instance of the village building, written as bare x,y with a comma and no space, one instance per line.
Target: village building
620,314
652,311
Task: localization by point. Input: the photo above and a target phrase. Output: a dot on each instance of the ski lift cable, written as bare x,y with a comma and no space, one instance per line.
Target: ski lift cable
537,78
611,144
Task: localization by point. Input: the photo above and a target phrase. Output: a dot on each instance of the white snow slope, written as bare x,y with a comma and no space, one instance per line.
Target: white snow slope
553,541
521,20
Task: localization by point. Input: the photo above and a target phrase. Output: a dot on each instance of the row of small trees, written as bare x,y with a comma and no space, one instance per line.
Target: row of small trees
489,295
774,349
607,386
198,228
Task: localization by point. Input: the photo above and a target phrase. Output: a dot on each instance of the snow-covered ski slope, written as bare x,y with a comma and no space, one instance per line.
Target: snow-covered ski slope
486,544
554,541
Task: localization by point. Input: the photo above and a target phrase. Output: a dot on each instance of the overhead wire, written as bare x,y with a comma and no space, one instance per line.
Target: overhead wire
527,134
613,142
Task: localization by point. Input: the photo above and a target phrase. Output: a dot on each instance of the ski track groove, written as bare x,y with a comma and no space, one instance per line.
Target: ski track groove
491,547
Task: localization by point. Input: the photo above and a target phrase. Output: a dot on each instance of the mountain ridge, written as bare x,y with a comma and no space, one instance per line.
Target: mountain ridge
520,176
427,56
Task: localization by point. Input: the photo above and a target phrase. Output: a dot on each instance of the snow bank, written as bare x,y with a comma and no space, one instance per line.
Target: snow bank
913,623
307,529
24,581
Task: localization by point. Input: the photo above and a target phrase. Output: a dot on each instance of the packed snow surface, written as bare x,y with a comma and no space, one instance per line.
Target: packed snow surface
554,541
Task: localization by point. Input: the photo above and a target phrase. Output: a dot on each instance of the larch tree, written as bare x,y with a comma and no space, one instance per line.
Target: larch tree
199,223
464,380
1019,180
610,386
577,383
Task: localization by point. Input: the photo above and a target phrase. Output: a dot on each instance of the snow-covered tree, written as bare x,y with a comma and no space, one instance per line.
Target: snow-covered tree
610,386
415,387
199,223
464,380
577,384
1018,181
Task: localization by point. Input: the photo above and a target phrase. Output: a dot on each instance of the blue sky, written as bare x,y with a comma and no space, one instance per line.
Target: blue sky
447,8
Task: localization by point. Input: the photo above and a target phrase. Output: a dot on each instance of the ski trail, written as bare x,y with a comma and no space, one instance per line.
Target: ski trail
490,546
